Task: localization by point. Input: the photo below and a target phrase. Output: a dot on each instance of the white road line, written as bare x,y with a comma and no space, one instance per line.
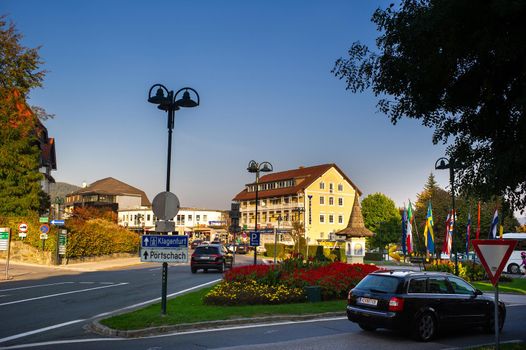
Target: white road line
58,294
87,282
77,341
154,300
157,268
36,286
16,336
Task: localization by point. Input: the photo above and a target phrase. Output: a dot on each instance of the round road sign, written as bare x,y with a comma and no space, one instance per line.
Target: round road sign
44,228
165,205
23,227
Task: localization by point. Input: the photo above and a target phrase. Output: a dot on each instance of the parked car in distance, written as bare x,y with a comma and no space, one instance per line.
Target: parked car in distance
422,303
211,256
195,243
242,248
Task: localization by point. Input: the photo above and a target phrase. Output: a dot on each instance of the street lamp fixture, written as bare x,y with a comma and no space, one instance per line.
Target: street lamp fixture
255,167
167,101
444,163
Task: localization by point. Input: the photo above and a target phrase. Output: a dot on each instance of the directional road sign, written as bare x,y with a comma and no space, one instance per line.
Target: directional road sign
4,238
493,254
57,222
156,248
254,239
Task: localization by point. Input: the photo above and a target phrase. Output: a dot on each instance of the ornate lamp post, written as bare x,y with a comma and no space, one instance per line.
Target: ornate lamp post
170,104
254,167
442,164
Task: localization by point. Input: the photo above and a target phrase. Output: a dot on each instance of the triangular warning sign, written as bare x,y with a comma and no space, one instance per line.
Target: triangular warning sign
493,254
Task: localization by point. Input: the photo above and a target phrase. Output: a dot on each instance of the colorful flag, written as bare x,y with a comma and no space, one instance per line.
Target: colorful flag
409,230
404,231
429,237
478,223
494,225
468,233
451,229
446,247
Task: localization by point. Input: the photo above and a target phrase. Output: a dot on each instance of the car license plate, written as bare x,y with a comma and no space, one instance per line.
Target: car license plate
368,301
204,258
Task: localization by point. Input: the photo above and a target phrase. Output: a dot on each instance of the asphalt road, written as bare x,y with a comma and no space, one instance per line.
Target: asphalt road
51,312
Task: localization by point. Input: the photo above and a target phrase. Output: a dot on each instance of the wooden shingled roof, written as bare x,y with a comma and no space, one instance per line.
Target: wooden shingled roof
111,186
303,176
356,226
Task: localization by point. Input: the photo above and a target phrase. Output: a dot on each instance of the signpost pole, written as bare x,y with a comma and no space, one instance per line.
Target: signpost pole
164,287
8,254
496,316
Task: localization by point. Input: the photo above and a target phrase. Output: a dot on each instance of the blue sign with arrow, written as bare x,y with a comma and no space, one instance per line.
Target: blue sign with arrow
156,241
57,222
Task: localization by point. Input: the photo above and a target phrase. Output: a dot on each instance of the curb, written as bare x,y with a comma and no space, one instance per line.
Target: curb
97,327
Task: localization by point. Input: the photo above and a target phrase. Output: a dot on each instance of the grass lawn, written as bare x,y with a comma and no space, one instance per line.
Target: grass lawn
518,285
188,308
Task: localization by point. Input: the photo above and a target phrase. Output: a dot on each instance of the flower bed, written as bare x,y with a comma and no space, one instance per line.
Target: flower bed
285,283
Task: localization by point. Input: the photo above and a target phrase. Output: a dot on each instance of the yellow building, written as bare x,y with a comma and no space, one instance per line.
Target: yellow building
321,197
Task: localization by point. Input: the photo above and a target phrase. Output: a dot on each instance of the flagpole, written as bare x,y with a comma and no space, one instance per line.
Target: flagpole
416,231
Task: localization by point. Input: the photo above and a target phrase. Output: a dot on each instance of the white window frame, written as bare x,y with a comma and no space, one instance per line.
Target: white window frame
322,185
322,200
331,218
322,219
331,200
340,201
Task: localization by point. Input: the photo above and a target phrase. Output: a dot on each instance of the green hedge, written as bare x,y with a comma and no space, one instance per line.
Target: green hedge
33,233
373,256
97,237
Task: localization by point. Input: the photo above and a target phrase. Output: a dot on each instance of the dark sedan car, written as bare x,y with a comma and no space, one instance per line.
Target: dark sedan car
211,256
422,303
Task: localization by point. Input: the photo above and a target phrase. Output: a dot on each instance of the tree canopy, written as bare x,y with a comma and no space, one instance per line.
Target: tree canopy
460,68
20,187
381,216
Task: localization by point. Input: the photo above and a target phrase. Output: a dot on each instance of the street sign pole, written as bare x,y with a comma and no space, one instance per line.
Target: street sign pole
493,254
164,287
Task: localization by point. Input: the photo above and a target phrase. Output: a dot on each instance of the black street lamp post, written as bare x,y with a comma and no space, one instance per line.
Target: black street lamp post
442,164
254,167
170,104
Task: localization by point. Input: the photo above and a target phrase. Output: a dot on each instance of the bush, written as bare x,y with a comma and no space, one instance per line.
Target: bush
335,279
251,292
373,256
97,237
468,271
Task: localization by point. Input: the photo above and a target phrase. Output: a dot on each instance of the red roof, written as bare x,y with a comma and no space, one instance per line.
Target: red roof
308,174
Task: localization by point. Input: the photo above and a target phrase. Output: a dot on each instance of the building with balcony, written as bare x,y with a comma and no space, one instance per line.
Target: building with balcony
320,197
107,193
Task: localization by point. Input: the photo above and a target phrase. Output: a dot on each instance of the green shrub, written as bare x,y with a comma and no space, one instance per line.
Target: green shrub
97,237
281,250
33,233
468,271
373,256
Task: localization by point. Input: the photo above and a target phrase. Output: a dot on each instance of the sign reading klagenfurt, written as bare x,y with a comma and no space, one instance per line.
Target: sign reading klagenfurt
172,249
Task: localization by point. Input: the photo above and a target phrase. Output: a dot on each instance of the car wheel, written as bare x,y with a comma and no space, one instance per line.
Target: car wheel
425,327
514,268
366,327
490,328
194,270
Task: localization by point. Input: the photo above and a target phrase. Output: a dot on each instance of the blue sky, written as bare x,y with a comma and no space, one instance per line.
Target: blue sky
262,69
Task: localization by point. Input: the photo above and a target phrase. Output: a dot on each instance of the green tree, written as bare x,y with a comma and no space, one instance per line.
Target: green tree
460,69
381,216
20,187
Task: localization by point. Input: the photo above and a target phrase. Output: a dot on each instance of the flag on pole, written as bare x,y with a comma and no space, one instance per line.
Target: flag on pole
429,237
404,231
409,230
468,232
446,247
494,225
478,223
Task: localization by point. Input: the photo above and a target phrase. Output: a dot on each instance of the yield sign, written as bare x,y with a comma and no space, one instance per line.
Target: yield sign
493,254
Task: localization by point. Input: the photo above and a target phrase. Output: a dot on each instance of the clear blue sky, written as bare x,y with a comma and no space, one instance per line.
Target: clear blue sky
262,69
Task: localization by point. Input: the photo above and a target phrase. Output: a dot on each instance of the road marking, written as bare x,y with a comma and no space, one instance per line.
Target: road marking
16,336
36,286
79,341
86,282
59,294
157,268
154,300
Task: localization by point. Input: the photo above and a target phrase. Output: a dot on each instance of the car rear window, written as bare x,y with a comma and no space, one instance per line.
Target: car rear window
379,283
206,250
